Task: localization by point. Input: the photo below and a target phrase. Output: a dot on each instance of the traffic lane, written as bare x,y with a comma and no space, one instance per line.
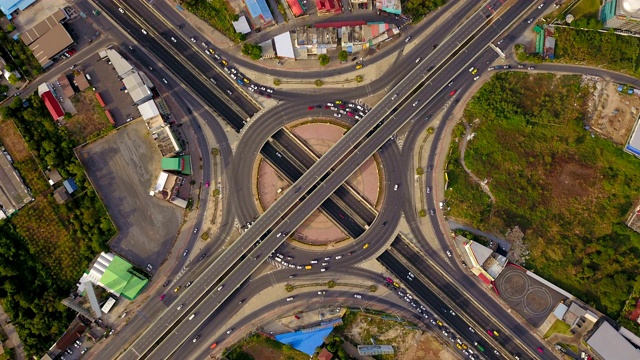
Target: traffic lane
168,12
194,52
438,306
197,85
322,193
509,323
331,208
212,324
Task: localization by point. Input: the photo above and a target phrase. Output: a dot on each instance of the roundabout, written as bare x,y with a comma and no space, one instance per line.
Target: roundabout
318,235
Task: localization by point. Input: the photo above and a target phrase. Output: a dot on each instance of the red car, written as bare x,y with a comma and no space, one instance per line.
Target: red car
71,52
349,113
540,350
311,108
490,332
162,297
453,92
207,184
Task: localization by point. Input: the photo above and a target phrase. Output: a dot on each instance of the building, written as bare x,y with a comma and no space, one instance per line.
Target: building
610,344
76,329
370,350
166,141
325,354
13,192
313,41
64,83
633,144
122,66
180,164
61,195
70,185
329,7
49,38
53,175
621,15
43,27
633,221
358,37
283,46
52,105
115,275
139,87
390,6
80,80
148,110
167,187
296,7
242,25
482,261
259,11
8,7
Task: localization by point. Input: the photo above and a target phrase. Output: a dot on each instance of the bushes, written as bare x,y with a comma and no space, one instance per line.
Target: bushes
251,50
217,13
417,9
324,59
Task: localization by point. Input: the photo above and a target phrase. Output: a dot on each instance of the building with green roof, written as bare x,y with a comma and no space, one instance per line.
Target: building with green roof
181,164
121,278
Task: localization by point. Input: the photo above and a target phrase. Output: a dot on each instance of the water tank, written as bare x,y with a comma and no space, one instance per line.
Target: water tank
631,6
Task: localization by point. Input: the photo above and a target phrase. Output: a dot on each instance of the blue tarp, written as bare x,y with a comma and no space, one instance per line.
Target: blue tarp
307,342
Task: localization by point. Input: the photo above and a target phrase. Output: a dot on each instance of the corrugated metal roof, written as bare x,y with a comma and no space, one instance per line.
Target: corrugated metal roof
611,345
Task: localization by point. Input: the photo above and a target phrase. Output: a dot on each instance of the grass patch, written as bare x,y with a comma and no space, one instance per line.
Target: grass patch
569,193
586,9
260,347
217,13
608,50
90,121
558,327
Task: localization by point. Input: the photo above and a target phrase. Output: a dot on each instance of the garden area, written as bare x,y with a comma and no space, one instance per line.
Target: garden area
568,191
46,246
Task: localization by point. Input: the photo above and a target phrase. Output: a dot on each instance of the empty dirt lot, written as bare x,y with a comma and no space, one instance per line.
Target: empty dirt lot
123,166
612,114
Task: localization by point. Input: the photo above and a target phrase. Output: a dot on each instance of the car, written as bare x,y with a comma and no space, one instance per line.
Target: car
323,269
432,212
196,338
474,71
185,253
120,9
476,78
324,264
193,40
202,257
450,83
342,106
176,289
357,296
439,323
452,312
311,107
418,60
500,41
459,346
290,298
531,68
430,167
333,108
448,253
321,292
207,184
189,284
229,92
213,346
471,69
453,92
270,91
359,66
229,331
407,39
416,102
84,350
540,7
349,113
337,115
395,96
164,80
540,350
428,189
207,52
342,112
434,46
173,39
471,329
180,307
144,31
338,257
496,352
491,68
530,21
350,253
358,117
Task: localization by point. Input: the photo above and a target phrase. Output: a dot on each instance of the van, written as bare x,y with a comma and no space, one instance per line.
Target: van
192,316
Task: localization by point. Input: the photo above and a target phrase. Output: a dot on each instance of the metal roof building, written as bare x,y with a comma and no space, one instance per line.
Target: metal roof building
259,11
284,46
242,26
122,66
138,89
51,44
52,105
611,345
120,278
13,192
148,110
10,6
43,27
633,145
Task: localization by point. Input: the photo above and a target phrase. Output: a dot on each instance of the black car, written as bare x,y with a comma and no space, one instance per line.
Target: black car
384,224
430,168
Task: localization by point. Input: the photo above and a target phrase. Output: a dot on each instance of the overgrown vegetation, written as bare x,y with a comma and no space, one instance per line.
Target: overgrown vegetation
257,346
251,50
324,59
616,52
418,9
19,57
217,13
46,246
586,9
568,192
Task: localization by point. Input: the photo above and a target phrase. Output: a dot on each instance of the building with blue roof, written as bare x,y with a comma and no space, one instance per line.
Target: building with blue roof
259,12
10,6
70,185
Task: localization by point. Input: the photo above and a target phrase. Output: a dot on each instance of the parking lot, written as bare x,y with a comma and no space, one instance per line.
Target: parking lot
105,79
123,167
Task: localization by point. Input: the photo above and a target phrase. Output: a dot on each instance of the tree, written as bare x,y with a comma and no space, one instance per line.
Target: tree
359,78
430,130
343,55
420,171
324,59
277,82
318,83
331,284
251,50
373,288
215,152
13,79
422,213
288,288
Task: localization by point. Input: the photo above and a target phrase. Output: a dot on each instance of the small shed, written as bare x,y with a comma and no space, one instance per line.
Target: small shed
70,185
61,195
54,176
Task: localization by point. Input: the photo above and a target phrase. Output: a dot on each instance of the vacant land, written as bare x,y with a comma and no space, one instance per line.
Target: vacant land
586,8
568,191
90,121
260,347
608,50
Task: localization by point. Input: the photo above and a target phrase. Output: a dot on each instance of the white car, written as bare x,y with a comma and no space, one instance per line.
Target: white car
357,296
448,253
418,60
290,298
325,264
144,31
323,270
471,69
334,108
338,257
173,39
337,115
180,307
476,78
164,80
193,40
279,234
394,96
416,103
408,39
428,189
120,9
229,331
395,188
541,6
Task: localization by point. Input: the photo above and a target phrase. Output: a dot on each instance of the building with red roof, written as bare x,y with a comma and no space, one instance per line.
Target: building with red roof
327,7
52,105
296,8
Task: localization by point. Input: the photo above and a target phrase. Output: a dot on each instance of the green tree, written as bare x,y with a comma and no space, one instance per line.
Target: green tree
343,55
419,171
331,284
324,59
318,83
13,79
359,78
251,50
277,82
422,213
288,288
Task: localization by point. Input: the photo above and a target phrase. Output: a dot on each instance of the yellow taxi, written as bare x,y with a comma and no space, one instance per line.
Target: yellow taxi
365,246
359,66
177,289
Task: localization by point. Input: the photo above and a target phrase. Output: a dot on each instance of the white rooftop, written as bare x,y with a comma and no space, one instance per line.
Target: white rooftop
284,45
611,345
148,110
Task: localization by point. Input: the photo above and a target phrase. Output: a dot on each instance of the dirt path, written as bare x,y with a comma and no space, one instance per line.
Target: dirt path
463,148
